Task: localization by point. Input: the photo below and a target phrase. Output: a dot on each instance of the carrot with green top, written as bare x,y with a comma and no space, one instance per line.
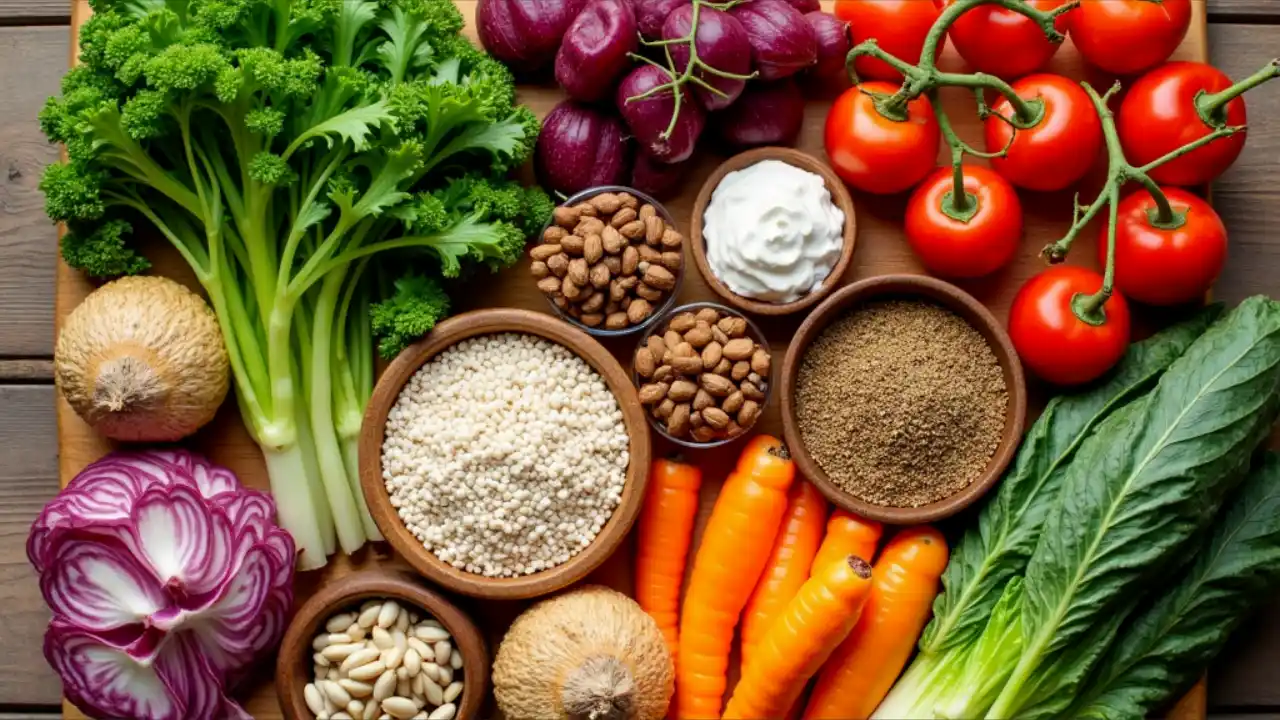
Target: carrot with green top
867,663
735,547
816,620
847,534
662,543
788,565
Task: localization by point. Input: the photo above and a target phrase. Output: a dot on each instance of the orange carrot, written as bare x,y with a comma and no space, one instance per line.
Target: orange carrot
816,620
867,663
847,534
662,543
788,565
735,547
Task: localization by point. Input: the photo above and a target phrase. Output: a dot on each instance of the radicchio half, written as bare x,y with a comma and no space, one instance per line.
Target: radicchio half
167,579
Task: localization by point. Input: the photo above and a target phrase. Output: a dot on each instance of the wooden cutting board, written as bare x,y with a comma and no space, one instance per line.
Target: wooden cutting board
881,249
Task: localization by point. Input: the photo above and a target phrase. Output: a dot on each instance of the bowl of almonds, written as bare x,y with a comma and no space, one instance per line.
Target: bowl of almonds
610,261
704,372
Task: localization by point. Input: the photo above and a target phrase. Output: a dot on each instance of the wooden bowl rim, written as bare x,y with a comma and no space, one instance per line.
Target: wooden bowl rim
293,662
839,195
973,312
447,334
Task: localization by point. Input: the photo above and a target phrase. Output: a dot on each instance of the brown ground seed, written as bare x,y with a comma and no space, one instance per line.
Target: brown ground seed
902,403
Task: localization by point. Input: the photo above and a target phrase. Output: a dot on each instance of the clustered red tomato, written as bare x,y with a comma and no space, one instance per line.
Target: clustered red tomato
1057,151
899,26
970,247
874,153
994,39
1053,341
1166,266
1126,37
1159,115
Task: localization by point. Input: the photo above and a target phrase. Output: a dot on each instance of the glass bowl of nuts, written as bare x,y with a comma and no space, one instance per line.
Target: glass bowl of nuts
610,261
705,374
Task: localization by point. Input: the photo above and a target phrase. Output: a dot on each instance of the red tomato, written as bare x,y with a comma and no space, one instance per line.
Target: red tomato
1160,266
876,154
997,40
1159,115
900,26
984,243
1125,37
1054,343
1058,150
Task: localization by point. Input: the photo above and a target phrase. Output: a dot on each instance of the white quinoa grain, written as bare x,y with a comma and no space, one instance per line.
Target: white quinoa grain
505,455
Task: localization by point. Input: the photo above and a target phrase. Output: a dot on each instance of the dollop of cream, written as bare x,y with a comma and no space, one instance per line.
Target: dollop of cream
772,232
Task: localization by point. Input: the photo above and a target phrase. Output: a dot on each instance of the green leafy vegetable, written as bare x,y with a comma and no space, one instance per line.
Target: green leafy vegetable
1150,477
286,148
1164,650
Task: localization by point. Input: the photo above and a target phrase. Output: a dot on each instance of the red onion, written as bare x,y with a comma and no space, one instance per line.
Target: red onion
648,119
722,44
806,6
832,35
595,48
781,42
581,147
768,113
658,179
651,14
524,33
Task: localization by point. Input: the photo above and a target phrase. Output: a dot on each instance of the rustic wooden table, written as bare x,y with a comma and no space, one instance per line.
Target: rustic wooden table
33,55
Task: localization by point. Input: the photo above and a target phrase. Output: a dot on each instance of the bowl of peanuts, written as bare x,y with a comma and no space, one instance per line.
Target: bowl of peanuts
704,373
379,643
610,261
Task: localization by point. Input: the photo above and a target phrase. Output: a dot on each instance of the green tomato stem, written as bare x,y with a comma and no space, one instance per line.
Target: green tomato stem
1212,106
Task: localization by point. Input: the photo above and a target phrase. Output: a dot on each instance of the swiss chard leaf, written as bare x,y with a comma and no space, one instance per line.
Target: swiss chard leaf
1151,476
997,548
1166,648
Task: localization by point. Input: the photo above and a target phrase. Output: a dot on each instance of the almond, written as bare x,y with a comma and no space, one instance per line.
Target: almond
630,259
659,277
711,355
672,261
553,234
639,310
591,319
566,217
593,248
699,336
623,216
717,385
651,294
691,366
734,327
740,371
664,408
616,321
723,367
594,303
664,373
760,362
586,209
671,239
682,323
653,393
599,275
616,290
653,229
628,201
539,269
702,399
571,290
611,240
706,433
716,417
682,390
578,272
748,414
734,402
558,300
632,230
606,203
696,421
739,349
649,255
734,429
614,263
544,252
573,244
671,338
710,316
684,349
549,285
751,392
678,422
656,347
588,226
647,211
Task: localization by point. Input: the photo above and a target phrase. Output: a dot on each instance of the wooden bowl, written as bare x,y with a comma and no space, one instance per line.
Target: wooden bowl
839,195
445,335
293,664
917,287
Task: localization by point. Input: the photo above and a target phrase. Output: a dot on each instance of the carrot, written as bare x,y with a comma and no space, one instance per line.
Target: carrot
788,565
666,528
735,547
848,534
816,620
867,663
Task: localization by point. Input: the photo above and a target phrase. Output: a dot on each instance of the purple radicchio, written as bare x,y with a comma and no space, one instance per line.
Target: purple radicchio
167,579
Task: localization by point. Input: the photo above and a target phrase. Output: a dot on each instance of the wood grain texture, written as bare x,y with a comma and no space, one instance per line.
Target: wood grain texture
30,68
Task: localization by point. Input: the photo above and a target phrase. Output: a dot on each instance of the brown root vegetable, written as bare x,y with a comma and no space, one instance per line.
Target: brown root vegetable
142,360
588,653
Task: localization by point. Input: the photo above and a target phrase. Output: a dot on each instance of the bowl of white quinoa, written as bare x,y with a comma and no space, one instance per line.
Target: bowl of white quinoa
505,454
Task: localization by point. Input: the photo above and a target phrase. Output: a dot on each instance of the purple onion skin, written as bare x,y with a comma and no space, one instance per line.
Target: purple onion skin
594,52
648,118
658,179
651,14
832,35
782,43
806,6
581,147
768,113
722,43
525,34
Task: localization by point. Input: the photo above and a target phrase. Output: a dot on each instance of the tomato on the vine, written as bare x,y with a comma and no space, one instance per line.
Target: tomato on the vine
1059,149
1166,265
1161,113
1053,341
994,39
877,154
899,26
952,245
1125,37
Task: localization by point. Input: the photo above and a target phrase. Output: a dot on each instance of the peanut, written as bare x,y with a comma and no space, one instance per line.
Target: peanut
690,366
664,408
611,240
734,327
672,337
553,234
704,434
578,273
739,349
599,275
539,269
558,265
616,321
656,347
593,303
566,217
711,355
630,259
734,402
653,393
573,244
659,277
633,230
544,252
717,385
606,203
653,229
623,216
715,417
752,392
647,211
672,261
628,201
592,319
678,423
671,239
740,370
639,310
710,316
648,293
614,263
588,226
760,361
682,390
585,209
699,336
702,399
748,414
593,248
549,285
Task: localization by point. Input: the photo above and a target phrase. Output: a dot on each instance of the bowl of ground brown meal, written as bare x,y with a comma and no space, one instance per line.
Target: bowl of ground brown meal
902,399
